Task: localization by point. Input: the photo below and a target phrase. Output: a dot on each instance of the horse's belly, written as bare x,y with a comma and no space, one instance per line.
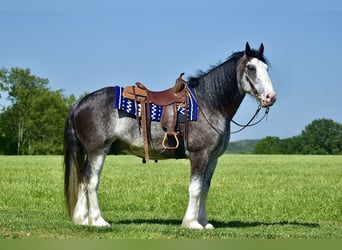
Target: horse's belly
129,140
155,151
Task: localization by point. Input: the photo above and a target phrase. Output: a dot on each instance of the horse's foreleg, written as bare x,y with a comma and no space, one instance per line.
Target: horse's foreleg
208,174
94,168
196,208
195,216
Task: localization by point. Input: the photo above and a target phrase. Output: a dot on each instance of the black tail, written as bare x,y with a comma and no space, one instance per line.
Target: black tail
74,164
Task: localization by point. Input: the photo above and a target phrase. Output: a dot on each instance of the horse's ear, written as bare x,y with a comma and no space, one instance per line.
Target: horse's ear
261,49
247,49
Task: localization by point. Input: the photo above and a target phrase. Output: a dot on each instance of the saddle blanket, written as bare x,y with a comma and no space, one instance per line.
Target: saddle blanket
156,111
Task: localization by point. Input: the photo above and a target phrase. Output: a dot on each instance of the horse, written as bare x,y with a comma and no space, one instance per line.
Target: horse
93,128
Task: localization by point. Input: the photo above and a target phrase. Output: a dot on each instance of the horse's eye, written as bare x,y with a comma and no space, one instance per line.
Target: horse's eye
251,68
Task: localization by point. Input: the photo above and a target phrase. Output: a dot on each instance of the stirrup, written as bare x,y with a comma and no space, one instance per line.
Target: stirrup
165,138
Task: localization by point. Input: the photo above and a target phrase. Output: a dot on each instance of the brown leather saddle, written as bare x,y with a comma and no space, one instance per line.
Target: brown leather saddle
169,99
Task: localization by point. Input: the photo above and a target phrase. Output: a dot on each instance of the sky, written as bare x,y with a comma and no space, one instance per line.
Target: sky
82,46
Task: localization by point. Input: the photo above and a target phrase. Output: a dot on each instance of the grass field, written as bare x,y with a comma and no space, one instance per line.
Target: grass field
251,196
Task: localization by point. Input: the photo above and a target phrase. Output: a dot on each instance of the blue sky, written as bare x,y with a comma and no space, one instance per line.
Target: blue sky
81,46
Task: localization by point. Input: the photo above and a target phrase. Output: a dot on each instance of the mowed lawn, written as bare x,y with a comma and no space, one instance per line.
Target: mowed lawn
251,196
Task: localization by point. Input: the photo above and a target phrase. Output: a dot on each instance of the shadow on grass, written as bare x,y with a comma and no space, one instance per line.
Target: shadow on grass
242,224
149,221
219,224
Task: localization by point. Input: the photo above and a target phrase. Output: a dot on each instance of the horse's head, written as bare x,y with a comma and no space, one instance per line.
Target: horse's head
254,78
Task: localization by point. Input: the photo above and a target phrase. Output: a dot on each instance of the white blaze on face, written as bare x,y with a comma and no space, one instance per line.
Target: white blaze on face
259,83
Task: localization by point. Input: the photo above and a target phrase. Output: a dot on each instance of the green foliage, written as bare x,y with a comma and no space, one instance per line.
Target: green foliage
241,147
322,136
267,145
34,122
251,196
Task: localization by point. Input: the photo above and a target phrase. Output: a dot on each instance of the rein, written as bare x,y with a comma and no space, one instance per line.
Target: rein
248,124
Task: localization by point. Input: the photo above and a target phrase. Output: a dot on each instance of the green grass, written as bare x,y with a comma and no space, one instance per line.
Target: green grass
251,196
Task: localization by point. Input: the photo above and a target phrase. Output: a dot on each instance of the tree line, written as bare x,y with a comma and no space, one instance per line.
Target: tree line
33,122
322,136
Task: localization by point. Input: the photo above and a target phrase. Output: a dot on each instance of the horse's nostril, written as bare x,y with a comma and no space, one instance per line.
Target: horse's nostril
268,99
268,96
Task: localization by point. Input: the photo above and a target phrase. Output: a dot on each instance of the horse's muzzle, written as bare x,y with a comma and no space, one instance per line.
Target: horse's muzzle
268,100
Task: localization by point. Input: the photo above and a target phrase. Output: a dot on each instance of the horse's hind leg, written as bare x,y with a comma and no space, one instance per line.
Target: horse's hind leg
94,168
80,216
201,174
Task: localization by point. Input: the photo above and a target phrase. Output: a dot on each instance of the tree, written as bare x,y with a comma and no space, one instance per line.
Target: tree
322,136
268,145
292,145
34,122
22,88
7,135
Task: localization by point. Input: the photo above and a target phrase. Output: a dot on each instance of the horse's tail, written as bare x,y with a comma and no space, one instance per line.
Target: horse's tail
74,164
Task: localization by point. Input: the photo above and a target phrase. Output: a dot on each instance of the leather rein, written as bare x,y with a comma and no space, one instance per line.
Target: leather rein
249,123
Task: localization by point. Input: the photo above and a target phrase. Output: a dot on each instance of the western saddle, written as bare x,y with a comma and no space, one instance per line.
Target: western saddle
169,99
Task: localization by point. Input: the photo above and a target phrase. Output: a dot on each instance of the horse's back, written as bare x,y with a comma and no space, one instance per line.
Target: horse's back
100,97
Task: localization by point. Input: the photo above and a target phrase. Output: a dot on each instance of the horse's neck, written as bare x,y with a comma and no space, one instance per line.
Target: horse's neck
222,100
232,108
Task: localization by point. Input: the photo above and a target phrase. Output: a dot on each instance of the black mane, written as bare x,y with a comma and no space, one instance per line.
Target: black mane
193,80
218,86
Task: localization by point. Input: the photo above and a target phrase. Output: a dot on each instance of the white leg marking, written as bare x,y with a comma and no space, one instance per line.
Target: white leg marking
195,216
95,217
80,216
191,217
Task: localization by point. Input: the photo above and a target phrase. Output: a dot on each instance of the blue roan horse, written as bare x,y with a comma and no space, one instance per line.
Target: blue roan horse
93,127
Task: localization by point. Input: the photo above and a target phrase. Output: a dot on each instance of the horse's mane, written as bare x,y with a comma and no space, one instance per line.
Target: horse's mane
218,85
193,80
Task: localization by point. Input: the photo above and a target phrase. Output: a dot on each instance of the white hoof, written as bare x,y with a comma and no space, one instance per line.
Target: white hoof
80,221
99,222
209,226
192,225
197,225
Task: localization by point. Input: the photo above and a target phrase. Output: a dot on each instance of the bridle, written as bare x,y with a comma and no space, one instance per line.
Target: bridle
250,123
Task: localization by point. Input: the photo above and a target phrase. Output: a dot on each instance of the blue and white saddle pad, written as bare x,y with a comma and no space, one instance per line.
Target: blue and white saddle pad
156,111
